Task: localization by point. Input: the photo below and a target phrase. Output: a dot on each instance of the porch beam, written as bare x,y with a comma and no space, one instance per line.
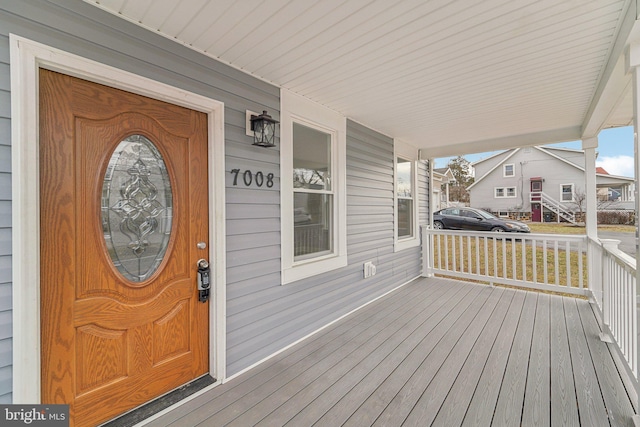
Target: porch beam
614,81
571,133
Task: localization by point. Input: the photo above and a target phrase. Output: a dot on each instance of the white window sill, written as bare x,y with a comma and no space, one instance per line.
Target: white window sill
312,268
401,245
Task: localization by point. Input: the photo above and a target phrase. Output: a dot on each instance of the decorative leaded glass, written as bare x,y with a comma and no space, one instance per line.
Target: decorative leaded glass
136,208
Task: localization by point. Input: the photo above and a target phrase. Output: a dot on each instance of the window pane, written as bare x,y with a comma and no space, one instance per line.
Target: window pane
405,218
499,192
311,158
511,192
508,170
136,208
404,181
567,193
312,230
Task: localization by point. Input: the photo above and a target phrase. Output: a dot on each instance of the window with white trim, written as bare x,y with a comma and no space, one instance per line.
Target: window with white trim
566,192
508,170
504,192
313,188
406,196
312,193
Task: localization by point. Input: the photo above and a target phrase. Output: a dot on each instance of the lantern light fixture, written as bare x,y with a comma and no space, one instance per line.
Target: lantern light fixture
264,130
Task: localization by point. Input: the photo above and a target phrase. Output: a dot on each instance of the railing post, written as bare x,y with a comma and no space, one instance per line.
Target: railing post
427,252
594,272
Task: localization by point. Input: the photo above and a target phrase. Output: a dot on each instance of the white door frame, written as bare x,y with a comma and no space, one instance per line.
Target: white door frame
27,57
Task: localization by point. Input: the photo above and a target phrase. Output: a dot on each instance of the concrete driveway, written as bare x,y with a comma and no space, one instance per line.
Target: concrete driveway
627,240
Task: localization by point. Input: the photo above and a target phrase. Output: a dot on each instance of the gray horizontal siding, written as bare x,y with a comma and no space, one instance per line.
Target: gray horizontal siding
262,315
272,316
5,131
423,190
82,29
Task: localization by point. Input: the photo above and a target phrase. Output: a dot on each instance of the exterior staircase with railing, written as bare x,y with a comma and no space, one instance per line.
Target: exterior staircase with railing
553,205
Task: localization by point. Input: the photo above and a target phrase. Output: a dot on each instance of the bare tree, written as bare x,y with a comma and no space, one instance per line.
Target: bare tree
579,200
461,170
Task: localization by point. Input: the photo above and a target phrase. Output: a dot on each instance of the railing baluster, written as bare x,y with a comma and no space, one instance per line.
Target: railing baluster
495,258
534,255
486,256
514,273
523,248
446,252
478,271
504,258
455,253
568,262
545,262
439,252
469,258
556,261
461,252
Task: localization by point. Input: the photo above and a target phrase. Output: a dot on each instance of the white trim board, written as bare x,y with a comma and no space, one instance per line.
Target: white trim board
26,58
515,150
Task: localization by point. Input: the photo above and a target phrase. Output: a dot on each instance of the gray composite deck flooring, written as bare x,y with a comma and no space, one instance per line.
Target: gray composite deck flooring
434,352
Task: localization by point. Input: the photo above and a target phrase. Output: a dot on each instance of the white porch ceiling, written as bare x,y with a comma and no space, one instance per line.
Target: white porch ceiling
449,76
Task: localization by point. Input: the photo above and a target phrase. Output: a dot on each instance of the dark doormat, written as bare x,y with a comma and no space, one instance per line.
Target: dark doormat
148,409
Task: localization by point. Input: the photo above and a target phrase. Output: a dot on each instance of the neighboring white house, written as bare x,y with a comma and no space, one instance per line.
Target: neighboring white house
544,183
442,178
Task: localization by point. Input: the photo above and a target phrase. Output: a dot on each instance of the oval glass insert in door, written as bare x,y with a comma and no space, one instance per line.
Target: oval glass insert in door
136,208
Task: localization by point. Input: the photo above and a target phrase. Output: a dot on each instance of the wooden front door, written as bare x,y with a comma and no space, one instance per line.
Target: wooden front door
124,219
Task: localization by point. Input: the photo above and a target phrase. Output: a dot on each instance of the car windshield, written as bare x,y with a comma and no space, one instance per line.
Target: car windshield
486,215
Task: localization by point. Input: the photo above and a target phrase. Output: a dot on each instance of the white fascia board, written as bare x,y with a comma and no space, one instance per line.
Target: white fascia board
616,177
569,150
494,168
509,142
488,158
555,156
545,150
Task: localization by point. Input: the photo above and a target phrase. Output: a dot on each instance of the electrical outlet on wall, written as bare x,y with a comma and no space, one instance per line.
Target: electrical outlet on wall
369,269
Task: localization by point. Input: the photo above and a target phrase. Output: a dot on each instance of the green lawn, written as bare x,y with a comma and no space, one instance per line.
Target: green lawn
563,228
496,259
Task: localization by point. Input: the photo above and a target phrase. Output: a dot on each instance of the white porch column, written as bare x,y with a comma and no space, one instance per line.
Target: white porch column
427,255
447,192
589,146
431,201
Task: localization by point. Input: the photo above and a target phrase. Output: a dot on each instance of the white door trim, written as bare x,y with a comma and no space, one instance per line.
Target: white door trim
26,58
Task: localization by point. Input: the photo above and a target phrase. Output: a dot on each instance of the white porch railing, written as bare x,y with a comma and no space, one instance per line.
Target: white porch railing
561,263
536,261
614,294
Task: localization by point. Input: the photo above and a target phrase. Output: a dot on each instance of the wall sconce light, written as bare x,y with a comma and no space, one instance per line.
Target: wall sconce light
264,130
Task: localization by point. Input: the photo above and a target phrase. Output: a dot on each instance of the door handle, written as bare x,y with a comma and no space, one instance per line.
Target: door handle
204,280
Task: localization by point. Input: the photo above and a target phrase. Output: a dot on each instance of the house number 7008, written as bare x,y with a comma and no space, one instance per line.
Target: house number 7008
249,177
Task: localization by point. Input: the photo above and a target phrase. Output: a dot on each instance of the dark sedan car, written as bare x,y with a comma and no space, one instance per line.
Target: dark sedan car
475,219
